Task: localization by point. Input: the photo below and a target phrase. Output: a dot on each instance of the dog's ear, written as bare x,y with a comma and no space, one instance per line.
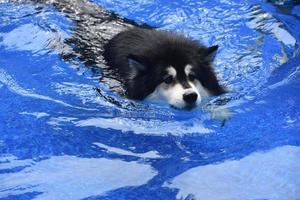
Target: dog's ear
136,67
209,53
135,63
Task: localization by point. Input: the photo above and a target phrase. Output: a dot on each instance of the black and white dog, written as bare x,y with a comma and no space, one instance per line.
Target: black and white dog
151,64
163,66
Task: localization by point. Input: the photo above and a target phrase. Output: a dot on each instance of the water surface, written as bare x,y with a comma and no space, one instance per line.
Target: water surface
65,135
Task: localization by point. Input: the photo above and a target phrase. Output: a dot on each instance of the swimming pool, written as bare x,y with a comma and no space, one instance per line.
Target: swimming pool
60,138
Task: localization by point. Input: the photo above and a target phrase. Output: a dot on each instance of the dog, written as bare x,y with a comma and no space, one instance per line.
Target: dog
151,64
163,66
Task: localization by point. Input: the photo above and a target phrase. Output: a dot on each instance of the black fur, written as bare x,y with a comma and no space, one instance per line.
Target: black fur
154,50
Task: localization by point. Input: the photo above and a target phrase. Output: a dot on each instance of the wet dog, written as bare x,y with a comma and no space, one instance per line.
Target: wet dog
163,66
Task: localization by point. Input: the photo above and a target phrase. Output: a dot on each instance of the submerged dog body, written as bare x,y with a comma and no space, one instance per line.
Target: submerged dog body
163,66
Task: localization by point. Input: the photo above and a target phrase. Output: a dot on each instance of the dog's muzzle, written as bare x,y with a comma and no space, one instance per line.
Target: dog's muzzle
190,98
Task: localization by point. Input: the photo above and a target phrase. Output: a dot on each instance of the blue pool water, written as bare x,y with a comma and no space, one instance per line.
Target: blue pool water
60,139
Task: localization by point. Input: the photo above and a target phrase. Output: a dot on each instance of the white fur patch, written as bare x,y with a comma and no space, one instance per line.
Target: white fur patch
173,94
172,71
188,69
202,91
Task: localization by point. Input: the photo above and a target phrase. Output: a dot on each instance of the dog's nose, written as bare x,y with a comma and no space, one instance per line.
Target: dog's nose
190,98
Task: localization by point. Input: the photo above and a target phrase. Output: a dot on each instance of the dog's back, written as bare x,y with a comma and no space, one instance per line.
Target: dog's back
93,27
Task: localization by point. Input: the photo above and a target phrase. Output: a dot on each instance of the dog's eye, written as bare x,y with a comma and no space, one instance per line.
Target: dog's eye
169,80
192,77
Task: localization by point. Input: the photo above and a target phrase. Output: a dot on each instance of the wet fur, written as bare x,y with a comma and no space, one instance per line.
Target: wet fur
155,50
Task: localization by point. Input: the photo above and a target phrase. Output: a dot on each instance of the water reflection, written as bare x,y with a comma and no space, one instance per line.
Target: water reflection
266,175
70,177
267,24
13,86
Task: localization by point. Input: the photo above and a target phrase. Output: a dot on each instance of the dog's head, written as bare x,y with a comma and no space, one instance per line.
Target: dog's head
180,76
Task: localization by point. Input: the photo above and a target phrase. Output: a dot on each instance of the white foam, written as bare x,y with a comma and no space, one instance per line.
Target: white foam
149,154
149,127
35,114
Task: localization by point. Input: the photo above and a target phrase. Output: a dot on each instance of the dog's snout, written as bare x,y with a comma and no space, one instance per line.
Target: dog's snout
190,98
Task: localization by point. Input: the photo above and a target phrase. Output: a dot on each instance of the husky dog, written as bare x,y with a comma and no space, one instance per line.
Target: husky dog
163,66
151,64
